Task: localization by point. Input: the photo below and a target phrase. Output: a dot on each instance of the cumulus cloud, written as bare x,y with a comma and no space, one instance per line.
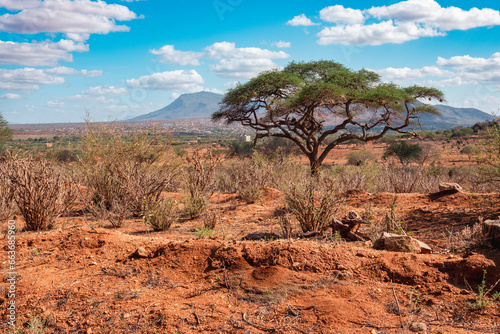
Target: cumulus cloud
39,53
455,71
407,73
170,80
431,13
169,55
18,4
340,14
26,79
241,63
11,96
400,22
105,91
375,34
75,18
301,20
282,44
30,79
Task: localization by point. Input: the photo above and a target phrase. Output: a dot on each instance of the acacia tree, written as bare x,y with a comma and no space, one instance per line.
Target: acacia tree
321,104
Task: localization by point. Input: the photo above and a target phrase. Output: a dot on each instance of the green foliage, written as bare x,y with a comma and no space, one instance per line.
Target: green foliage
5,132
196,204
470,151
203,232
481,301
489,154
404,151
240,149
359,157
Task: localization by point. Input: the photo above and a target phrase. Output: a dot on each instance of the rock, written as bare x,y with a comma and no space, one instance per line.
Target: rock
450,187
491,230
141,252
418,327
401,243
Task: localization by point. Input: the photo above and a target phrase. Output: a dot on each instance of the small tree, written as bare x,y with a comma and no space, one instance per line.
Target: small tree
5,132
296,102
404,152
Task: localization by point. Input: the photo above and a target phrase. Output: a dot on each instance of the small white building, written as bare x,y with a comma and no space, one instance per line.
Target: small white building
244,138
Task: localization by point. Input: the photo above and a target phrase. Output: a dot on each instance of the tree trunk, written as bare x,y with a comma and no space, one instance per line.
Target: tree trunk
314,164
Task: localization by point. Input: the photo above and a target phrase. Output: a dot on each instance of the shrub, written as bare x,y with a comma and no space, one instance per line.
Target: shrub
200,181
250,193
7,205
404,151
41,192
313,203
160,214
360,157
124,172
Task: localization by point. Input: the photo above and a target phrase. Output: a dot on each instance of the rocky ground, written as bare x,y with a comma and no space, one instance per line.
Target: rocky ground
85,277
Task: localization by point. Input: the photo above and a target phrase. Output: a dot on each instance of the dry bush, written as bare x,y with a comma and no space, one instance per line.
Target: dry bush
161,214
41,192
122,172
467,238
7,204
313,203
399,179
200,181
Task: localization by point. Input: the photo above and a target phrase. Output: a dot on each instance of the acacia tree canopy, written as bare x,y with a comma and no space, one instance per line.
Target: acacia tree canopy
311,102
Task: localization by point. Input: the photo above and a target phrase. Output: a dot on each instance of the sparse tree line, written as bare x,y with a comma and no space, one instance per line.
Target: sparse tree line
119,177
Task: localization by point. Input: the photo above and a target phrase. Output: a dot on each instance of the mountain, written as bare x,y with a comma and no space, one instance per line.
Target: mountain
203,104
195,105
451,116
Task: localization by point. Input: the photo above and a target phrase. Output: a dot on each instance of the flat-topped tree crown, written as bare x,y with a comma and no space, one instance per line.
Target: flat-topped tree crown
294,103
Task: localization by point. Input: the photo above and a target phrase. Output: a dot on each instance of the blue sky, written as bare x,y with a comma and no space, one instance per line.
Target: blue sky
62,59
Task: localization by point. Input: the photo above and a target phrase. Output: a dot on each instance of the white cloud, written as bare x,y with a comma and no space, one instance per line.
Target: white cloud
26,79
19,4
171,56
282,44
301,20
476,69
231,84
375,34
431,13
11,96
228,50
170,80
105,91
63,70
400,22
39,53
451,82
241,68
80,17
407,73
241,63
340,14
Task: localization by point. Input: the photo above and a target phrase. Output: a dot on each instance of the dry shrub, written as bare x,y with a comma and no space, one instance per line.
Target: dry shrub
397,178
42,192
123,172
200,181
210,219
161,214
7,204
313,203
469,237
250,193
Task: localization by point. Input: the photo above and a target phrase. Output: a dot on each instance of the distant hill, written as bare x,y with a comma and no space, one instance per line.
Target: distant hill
204,104
195,105
451,116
